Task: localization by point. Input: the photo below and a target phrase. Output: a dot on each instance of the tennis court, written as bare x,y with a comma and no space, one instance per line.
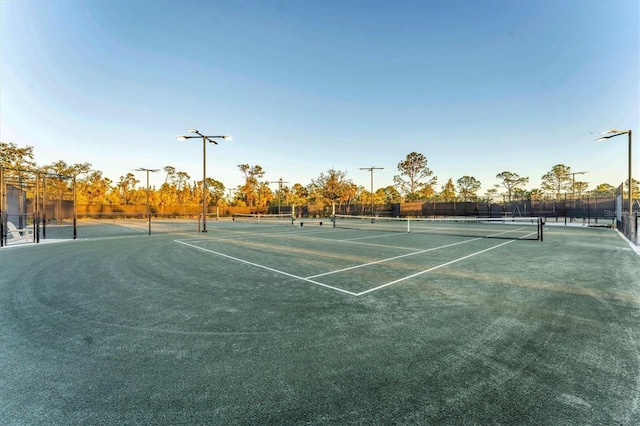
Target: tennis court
278,323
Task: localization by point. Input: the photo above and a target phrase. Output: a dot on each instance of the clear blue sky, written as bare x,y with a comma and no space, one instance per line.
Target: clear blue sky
478,87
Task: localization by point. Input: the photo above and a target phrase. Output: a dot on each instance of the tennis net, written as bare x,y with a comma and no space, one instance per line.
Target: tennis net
524,228
275,219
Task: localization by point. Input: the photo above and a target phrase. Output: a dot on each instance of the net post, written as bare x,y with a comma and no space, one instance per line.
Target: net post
408,225
334,220
540,229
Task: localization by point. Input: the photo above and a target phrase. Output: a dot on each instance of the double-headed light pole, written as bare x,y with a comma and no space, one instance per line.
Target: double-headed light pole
142,169
612,134
205,139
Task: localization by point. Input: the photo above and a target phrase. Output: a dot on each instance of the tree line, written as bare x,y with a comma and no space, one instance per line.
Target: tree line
414,182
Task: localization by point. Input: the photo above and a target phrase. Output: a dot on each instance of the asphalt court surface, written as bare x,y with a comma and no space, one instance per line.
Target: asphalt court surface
346,260
254,324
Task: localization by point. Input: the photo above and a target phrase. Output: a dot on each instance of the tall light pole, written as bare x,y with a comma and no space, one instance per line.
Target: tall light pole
612,134
371,169
205,139
279,182
142,169
573,185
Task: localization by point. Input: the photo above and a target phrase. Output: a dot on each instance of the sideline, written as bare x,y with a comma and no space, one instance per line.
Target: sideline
267,268
634,247
309,280
10,245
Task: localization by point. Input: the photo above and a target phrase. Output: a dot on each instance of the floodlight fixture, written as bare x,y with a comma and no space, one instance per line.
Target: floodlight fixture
573,184
612,134
205,139
371,169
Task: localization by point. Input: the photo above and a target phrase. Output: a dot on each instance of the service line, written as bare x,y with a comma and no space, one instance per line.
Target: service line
433,269
391,258
309,280
267,268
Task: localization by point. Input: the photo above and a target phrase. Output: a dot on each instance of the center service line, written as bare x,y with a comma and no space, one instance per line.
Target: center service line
391,258
267,268
432,269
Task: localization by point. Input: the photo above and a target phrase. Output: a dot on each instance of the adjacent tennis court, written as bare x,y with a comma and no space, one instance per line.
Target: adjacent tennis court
300,322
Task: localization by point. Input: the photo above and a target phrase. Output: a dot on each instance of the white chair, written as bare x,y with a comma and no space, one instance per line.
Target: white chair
25,234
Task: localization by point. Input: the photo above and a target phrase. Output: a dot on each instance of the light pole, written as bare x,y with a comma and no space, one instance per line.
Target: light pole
612,134
573,190
573,185
371,169
279,182
210,139
142,169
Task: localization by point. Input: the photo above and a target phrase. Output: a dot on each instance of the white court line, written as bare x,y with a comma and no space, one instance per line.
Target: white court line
391,258
309,280
267,268
432,269
133,227
634,247
237,235
375,236
375,245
